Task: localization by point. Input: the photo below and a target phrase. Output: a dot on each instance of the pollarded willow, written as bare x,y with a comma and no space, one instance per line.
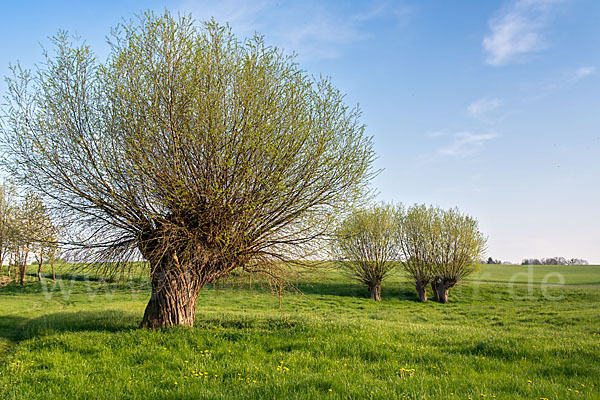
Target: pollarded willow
200,153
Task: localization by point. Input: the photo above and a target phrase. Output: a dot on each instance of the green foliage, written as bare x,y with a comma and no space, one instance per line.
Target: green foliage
367,244
461,245
439,246
419,242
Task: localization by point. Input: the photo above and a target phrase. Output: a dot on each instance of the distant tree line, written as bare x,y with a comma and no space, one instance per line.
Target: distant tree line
554,261
542,261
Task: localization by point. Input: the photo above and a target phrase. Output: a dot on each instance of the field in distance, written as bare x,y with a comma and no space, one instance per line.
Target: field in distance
588,275
79,339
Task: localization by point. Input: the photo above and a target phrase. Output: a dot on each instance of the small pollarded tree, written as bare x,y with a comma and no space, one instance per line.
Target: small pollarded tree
461,245
417,246
7,213
366,245
200,153
30,216
440,247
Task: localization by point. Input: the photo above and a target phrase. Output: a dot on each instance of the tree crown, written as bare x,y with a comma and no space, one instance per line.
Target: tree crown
185,141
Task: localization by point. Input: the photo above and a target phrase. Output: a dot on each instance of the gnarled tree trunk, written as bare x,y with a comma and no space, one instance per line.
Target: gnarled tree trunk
434,289
421,291
40,262
176,276
173,298
375,291
23,269
442,291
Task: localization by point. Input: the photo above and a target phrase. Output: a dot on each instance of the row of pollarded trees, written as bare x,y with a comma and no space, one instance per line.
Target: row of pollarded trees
434,247
26,232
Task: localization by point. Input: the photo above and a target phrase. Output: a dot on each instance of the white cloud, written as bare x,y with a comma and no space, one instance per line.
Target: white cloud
466,143
482,107
518,31
557,83
582,72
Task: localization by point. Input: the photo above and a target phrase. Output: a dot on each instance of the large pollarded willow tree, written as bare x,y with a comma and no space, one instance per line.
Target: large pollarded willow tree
199,152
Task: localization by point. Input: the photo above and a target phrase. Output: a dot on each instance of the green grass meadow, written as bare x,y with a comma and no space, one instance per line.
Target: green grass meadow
588,275
498,338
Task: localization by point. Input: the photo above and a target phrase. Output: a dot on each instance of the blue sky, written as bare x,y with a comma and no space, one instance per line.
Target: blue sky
491,106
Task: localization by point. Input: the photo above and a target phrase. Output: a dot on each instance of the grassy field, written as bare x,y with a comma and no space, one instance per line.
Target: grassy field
79,339
549,274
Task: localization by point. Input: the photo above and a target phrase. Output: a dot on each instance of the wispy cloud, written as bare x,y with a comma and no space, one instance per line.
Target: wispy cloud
552,85
436,134
312,29
325,34
518,30
582,72
482,107
466,143
493,110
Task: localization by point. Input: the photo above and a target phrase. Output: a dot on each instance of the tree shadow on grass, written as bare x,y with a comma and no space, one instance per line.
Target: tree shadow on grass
10,327
16,328
239,325
70,284
64,286
392,291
